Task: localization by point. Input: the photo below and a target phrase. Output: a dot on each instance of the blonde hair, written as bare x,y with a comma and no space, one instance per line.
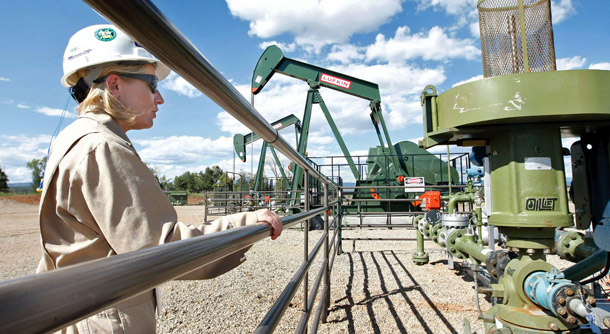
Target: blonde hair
99,100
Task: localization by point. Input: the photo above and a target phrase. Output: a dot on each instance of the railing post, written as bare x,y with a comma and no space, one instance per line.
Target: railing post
205,209
339,224
306,239
326,303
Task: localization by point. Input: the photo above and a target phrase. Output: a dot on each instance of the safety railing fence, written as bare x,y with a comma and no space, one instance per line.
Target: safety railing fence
336,167
369,209
225,202
50,301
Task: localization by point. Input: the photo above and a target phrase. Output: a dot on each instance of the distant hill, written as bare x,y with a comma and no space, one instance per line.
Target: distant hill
20,188
19,185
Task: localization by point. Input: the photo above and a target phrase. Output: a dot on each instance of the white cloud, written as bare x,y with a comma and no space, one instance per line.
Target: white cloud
571,63
23,106
433,45
314,23
600,66
5,79
451,7
54,112
182,149
16,151
283,46
179,85
346,53
475,29
475,78
562,10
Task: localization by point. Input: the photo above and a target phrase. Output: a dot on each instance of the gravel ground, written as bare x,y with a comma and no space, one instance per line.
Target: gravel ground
375,287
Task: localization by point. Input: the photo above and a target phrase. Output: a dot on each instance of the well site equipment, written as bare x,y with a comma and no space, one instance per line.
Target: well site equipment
517,116
386,162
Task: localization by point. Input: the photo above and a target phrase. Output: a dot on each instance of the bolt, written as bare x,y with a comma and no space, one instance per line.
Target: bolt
572,320
562,311
531,251
591,300
494,262
569,292
561,300
452,249
566,244
553,326
573,236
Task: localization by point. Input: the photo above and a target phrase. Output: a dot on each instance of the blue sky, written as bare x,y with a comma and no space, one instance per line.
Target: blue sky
400,45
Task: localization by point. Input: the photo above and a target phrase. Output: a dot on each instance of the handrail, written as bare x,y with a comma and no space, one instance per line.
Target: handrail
146,24
52,300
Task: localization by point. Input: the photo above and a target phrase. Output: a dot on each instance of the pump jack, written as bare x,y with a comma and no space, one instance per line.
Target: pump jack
386,164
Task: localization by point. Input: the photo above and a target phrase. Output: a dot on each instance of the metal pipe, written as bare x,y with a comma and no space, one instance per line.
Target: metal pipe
146,24
276,312
587,267
301,327
306,240
326,297
316,320
458,198
49,301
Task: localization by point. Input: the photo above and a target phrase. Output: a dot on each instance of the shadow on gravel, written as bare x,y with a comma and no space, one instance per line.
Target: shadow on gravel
384,257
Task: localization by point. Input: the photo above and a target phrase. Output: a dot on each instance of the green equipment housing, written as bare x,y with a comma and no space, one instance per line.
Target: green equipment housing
387,164
518,114
177,197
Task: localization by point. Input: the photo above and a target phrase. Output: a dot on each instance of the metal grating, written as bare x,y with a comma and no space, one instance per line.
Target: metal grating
502,36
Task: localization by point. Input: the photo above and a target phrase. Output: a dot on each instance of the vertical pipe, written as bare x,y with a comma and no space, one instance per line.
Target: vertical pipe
205,208
339,225
306,239
526,65
448,168
326,303
434,112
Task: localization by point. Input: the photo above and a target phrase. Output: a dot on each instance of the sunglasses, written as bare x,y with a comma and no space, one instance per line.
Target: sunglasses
150,79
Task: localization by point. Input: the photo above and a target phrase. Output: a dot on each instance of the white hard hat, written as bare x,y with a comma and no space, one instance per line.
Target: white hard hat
100,45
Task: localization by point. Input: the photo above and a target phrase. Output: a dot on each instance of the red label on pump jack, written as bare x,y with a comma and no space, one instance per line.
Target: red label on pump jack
411,180
335,81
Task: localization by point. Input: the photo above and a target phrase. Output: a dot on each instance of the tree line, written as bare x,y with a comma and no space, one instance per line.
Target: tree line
211,179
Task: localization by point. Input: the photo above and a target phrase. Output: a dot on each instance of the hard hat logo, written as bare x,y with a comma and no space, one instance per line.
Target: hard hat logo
105,34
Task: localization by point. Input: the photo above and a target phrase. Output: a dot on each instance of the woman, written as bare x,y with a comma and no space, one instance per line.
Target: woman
99,199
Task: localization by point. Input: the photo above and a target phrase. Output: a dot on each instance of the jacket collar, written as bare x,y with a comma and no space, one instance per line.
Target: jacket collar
110,123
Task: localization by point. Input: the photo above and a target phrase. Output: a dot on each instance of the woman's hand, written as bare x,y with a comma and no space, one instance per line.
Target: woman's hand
266,217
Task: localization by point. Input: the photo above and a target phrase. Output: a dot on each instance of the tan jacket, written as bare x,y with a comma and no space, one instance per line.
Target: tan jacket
99,199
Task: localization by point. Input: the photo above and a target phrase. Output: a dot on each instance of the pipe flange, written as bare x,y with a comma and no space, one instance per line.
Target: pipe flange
561,303
456,220
452,239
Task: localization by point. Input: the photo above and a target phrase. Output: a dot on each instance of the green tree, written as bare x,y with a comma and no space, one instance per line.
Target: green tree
198,182
210,177
37,167
164,181
3,182
185,182
226,181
